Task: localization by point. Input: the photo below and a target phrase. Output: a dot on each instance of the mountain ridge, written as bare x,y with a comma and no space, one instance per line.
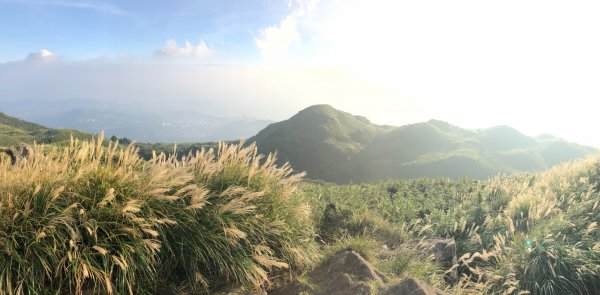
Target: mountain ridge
336,146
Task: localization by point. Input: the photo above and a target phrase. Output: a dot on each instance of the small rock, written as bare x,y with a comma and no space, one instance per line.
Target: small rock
348,262
412,286
443,251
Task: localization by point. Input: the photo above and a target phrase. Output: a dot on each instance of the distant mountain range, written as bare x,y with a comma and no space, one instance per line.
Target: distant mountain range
336,146
142,123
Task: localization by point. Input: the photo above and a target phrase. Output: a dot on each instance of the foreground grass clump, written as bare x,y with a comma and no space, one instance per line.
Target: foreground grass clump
88,218
79,218
252,221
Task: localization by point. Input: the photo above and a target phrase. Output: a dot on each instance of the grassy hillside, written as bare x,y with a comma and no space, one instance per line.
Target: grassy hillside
530,234
13,131
338,147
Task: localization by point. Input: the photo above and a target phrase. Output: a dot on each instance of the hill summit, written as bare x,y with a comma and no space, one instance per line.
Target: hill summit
320,140
336,146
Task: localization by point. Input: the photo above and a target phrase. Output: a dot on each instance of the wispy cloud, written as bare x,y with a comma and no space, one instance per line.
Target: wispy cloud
43,55
92,5
172,49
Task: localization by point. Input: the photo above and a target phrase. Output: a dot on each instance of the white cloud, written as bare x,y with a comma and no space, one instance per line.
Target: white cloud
275,40
43,55
172,49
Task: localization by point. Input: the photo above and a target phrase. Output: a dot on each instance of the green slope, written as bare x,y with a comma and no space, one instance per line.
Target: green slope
13,131
339,147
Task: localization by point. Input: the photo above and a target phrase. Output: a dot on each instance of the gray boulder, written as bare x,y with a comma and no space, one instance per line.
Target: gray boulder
17,153
443,250
347,273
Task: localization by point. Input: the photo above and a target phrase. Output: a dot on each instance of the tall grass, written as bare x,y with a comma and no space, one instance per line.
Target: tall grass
89,218
252,221
551,244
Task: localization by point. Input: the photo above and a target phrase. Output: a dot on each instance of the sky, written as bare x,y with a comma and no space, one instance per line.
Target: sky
530,64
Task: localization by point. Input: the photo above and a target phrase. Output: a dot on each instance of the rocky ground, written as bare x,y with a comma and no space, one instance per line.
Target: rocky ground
349,273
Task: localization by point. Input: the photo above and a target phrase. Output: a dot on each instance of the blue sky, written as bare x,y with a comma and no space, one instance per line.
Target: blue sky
530,64
88,29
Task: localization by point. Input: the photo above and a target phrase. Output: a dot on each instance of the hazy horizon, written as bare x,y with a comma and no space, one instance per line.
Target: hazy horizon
527,64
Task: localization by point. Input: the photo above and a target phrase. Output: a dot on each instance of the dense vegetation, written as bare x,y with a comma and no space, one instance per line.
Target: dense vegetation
338,147
88,217
537,234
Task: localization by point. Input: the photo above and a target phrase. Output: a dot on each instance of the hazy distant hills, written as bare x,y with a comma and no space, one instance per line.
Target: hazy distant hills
13,131
336,146
140,122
